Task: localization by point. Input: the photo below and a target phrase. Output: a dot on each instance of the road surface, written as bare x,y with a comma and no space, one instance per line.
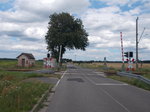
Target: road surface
85,90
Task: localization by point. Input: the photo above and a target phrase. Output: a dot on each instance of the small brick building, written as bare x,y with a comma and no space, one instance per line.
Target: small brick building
26,60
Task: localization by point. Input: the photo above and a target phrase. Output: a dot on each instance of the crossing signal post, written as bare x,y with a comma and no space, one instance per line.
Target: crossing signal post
48,55
128,54
130,60
49,62
105,63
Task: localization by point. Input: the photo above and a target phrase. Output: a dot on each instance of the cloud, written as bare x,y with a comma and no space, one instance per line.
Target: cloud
45,7
7,26
11,47
20,16
90,54
3,1
128,3
24,25
96,39
35,32
30,17
100,18
135,11
115,2
105,24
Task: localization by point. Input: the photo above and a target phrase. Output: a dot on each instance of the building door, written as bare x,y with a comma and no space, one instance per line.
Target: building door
23,62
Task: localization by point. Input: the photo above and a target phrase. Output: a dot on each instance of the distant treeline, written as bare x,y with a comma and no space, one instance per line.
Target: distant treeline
7,59
14,59
146,61
96,61
91,61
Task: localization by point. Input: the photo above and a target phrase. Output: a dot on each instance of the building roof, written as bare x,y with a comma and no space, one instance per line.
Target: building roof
28,55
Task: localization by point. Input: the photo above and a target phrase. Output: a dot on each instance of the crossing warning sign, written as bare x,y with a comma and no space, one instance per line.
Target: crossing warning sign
49,62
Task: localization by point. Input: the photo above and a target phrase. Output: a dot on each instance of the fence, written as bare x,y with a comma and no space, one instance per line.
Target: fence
134,76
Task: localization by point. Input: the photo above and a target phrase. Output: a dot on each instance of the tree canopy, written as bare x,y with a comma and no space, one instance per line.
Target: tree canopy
67,32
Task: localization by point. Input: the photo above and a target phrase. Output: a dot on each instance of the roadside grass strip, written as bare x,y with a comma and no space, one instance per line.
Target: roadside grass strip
131,81
17,95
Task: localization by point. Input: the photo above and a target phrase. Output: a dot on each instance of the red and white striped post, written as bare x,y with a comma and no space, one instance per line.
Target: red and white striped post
122,51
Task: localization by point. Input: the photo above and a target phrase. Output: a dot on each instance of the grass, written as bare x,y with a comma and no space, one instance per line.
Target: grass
5,64
131,81
17,76
147,75
17,95
22,97
12,64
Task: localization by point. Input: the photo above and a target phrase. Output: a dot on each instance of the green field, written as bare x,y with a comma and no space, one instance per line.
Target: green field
12,64
17,94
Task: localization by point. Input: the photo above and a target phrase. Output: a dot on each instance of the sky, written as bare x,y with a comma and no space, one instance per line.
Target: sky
23,26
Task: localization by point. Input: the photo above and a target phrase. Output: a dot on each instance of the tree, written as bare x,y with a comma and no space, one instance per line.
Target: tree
66,32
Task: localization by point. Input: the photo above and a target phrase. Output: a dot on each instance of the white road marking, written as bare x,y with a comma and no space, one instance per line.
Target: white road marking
103,75
63,74
72,73
59,81
100,74
115,100
108,93
106,84
111,84
90,80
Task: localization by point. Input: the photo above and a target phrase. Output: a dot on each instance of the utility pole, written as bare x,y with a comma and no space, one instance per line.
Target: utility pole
60,55
137,43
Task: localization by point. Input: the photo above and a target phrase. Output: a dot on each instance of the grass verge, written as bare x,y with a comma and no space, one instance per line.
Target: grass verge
17,95
131,81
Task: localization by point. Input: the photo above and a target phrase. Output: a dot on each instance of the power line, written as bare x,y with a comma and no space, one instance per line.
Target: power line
141,35
141,18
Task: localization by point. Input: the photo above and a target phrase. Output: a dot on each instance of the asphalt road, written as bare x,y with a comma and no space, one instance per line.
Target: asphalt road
85,90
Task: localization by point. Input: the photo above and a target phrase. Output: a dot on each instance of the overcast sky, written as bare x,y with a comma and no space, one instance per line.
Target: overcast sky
23,26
